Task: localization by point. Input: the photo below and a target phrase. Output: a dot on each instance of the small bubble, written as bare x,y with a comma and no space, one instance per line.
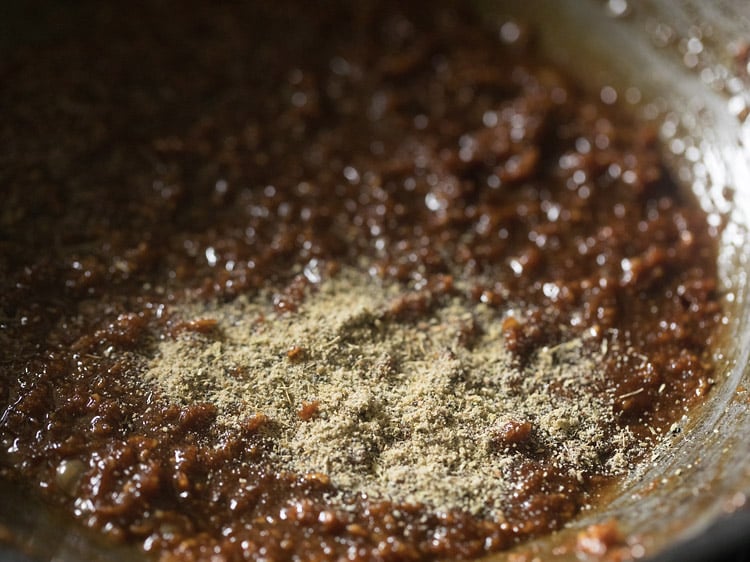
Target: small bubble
340,66
707,76
421,121
735,85
663,35
211,257
668,129
633,95
608,95
629,177
693,153
351,174
601,141
618,8
295,76
551,291
510,32
677,146
221,186
432,202
737,105
312,272
694,45
553,213
489,119
690,60
651,111
517,267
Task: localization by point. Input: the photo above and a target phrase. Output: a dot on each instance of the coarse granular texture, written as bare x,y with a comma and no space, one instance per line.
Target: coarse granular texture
476,294
432,410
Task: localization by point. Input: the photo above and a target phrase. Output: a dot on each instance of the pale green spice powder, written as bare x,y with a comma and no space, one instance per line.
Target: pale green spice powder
405,410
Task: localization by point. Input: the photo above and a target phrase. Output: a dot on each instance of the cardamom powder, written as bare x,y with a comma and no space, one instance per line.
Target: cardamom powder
403,410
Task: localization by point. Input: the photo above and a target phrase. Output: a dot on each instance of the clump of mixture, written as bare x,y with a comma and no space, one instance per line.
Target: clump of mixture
362,281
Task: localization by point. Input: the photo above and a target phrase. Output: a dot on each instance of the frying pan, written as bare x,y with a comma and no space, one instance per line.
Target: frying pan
683,64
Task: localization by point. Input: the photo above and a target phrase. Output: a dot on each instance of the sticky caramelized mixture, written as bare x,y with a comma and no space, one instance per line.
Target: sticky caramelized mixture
201,154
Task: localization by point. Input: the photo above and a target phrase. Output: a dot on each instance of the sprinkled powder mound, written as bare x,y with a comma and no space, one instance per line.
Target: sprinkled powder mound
428,409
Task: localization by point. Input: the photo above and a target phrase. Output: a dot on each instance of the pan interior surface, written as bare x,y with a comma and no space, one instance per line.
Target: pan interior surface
696,92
